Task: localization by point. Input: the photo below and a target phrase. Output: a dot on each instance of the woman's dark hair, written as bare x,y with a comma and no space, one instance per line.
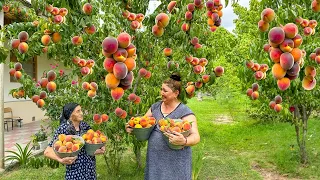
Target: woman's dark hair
67,111
174,82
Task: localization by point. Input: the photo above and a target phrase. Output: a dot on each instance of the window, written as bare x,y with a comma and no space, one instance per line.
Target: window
29,67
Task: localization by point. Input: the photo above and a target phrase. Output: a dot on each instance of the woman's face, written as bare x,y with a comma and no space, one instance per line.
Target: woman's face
77,114
167,94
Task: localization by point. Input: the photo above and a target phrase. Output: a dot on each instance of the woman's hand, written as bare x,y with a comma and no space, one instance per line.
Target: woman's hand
176,138
67,160
128,128
100,151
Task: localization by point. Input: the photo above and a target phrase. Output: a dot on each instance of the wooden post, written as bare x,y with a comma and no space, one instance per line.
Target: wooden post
1,102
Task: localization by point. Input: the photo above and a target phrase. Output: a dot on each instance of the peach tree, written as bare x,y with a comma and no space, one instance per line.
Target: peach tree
280,49
114,58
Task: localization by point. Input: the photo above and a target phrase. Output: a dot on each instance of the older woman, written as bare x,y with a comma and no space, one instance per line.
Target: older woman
83,166
164,163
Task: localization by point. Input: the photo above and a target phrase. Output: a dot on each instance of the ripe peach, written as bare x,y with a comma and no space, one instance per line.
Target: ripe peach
135,25
131,49
132,97
277,71
51,86
148,75
15,43
275,54
85,71
77,40
197,69
23,47
308,82
85,86
117,93
130,63
157,31
313,23
40,103
18,75
171,6
108,64
287,45
167,51
18,66
294,70
118,111
23,36
198,84
272,104
290,30
307,31
255,95
139,17
278,107
12,71
138,100
191,7
120,70
63,12
35,98
124,40
120,55
278,99
75,147
127,81
132,16
267,47
110,45
249,92
219,70
90,29
310,70
56,37
51,75
197,46
55,11
205,78
62,149
92,93
142,72
276,35
315,6
45,39
93,86
264,67
283,83
162,20
44,82
312,56
256,67
185,27
87,8
263,26
297,54
111,81
250,64
258,75
43,95
6,8
304,23
190,89
188,15
58,19
96,117
104,117
267,15
286,60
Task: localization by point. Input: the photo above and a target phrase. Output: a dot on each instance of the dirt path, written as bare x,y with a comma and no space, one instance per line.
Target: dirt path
223,119
270,174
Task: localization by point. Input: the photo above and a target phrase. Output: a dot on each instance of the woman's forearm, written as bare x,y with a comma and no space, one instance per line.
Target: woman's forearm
50,154
192,140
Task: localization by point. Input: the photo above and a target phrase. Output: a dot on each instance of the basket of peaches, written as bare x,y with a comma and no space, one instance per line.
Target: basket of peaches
94,140
178,125
142,127
68,145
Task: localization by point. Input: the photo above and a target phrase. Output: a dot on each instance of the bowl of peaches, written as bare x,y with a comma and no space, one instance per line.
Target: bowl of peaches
178,125
142,127
94,140
68,145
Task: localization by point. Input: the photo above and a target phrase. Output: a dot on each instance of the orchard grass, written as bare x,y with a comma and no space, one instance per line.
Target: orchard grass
226,151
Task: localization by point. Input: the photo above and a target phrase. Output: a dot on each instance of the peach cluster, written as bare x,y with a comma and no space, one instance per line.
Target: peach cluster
214,14
119,63
67,144
144,73
267,15
21,42
284,51
18,94
136,19
276,104
120,113
309,81
170,125
307,25
91,88
195,42
86,65
39,99
16,71
48,81
134,98
46,39
199,65
142,122
58,14
253,91
98,119
259,69
162,20
92,137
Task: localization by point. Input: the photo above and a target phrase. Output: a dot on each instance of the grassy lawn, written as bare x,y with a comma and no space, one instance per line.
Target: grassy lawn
226,151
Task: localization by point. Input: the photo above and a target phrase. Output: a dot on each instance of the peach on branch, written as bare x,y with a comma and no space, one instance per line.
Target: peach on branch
58,19
90,63
135,25
40,103
157,31
93,86
130,63
205,78
15,43
117,93
124,40
197,46
131,49
23,47
35,98
263,26
85,71
63,12
108,64
162,20
264,67
132,16
297,54
278,107
87,8
283,83
110,45
267,47
167,51
188,15
127,81
197,3
185,27
277,71
203,62
290,30
313,23
307,31
209,5
132,97
287,45
51,86
195,61
210,22
276,35
77,40
148,75
278,99
44,82
312,56
18,75
90,29
310,70
267,15
198,84
304,23
139,17
286,60
12,71
82,62
309,82
118,111
120,70
194,41
297,40
272,104
92,93
249,92
120,55
315,6
294,70
197,69
190,89
189,58
45,39
258,75
85,86
171,6
111,81
256,67
23,36
191,7
250,64
138,100
51,75
255,95
18,66
56,37
55,11
142,72
219,70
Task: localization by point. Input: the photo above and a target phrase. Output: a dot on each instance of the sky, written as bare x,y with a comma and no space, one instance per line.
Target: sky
227,18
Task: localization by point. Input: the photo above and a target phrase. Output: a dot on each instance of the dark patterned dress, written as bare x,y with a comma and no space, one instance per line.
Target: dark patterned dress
84,166
164,163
